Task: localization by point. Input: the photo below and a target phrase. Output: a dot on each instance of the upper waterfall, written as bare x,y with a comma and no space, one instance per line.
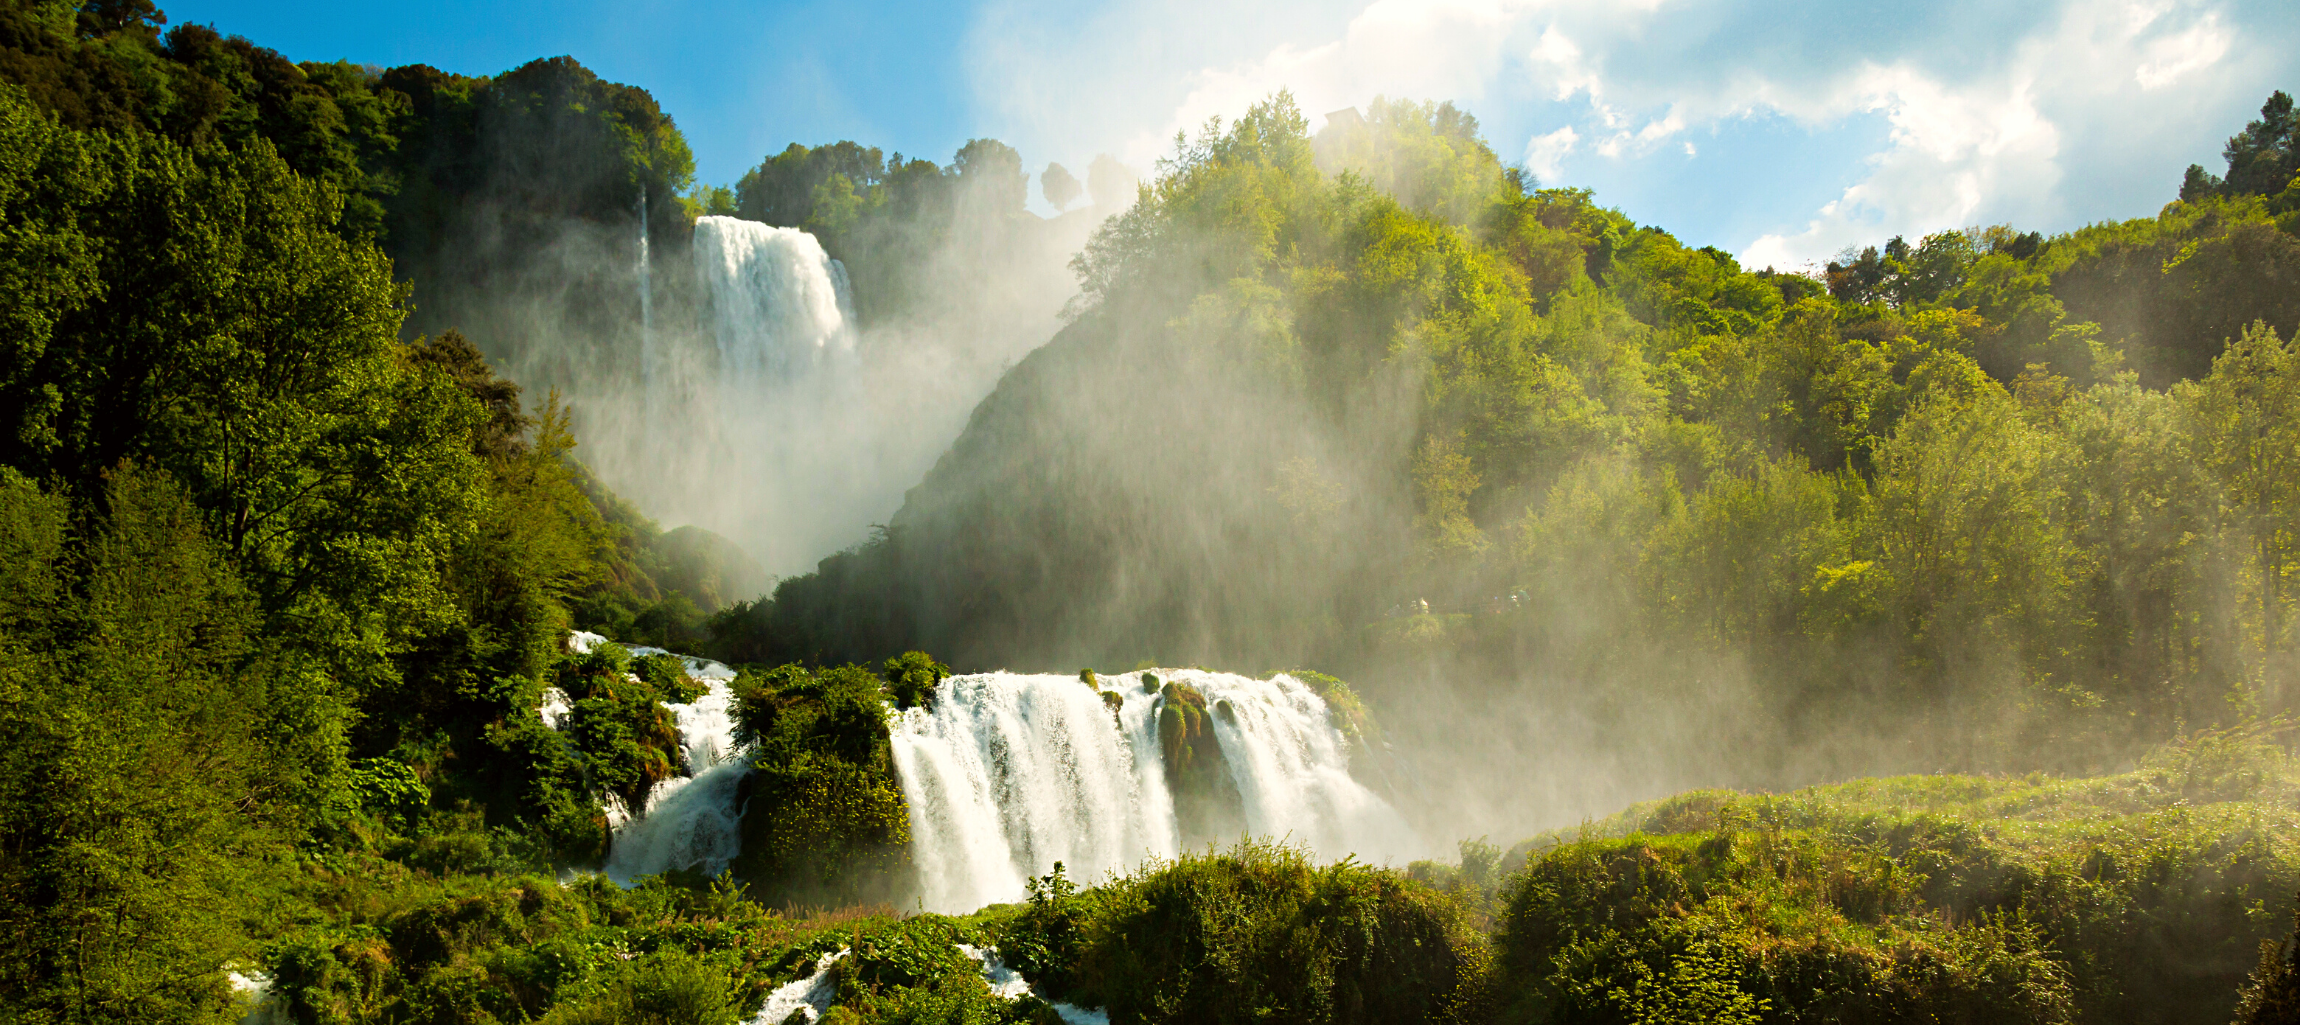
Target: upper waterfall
1007,774
781,305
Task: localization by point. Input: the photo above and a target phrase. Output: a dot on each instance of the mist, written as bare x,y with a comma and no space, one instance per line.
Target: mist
719,372
1585,515
1492,453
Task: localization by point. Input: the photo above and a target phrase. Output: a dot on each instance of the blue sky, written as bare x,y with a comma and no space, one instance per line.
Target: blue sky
1781,131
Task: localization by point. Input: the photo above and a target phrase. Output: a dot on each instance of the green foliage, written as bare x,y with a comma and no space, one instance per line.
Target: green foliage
1043,941
2262,159
396,945
1059,186
914,972
1672,928
1426,155
668,987
293,523
538,541
912,676
335,472
500,174
2272,997
1895,898
1350,715
163,755
1978,487
111,69
826,821
617,725
914,236
278,615
1255,933
663,588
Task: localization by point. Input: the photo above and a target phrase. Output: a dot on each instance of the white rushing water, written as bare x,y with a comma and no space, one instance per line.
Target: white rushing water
811,997
690,821
252,989
782,308
646,302
1010,773
1007,984
808,997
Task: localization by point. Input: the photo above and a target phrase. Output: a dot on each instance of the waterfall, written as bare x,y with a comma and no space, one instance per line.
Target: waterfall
691,821
782,308
646,303
1007,774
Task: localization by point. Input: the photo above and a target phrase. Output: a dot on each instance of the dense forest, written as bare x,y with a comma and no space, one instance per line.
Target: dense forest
294,528
2005,501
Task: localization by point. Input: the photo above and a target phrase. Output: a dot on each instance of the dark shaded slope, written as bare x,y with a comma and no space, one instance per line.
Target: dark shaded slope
1113,500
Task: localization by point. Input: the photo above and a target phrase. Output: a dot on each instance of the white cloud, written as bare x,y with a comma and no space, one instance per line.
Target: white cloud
1955,156
2173,58
1557,51
1448,49
2045,114
1544,152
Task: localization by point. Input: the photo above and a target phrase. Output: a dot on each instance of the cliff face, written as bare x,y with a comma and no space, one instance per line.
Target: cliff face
1118,498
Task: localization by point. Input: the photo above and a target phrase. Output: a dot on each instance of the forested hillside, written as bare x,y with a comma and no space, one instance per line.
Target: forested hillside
294,528
277,578
290,562
1993,500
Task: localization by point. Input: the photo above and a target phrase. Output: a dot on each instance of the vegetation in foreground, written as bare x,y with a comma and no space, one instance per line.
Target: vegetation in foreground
2146,896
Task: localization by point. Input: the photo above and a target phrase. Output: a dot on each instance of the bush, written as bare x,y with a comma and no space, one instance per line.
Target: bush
826,822
1921,898
1254,933
670,987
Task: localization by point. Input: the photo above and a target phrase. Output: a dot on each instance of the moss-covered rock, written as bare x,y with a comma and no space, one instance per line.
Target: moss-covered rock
1207,806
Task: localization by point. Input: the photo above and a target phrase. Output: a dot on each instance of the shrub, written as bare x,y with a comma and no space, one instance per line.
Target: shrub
1254,933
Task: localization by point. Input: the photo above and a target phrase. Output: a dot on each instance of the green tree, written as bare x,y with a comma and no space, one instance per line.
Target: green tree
242,345
2245,433
2263,157
1059,186
990,177
1109,183
1964,527
163,754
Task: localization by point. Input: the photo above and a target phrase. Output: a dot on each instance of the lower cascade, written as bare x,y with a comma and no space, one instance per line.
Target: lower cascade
691,821
1006,774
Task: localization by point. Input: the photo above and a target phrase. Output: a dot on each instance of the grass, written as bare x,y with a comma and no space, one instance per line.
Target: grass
2142,896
